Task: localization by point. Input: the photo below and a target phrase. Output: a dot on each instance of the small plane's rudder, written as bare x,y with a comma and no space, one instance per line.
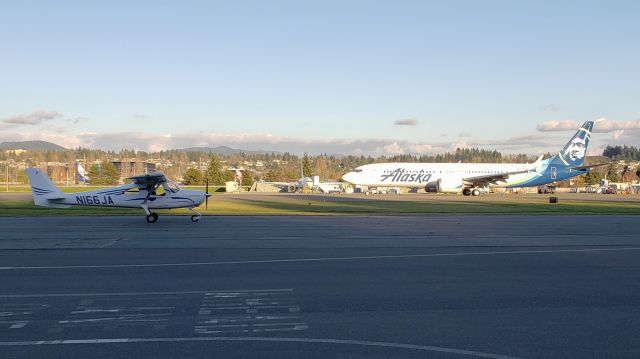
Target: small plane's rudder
43,190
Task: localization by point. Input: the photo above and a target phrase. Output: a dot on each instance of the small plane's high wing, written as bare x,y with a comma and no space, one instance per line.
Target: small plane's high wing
149,180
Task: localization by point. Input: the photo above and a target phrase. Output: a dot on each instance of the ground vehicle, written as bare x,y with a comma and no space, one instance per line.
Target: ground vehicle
547,189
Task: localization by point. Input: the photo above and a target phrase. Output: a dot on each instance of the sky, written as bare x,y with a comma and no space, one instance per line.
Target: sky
348,77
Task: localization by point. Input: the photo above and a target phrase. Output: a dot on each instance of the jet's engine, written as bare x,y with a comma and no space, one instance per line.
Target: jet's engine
445,185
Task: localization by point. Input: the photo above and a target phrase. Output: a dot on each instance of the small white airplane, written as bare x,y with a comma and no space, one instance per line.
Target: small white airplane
149,192
471,178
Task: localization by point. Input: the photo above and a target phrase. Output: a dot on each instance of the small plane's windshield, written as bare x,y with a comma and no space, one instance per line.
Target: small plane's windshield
172,186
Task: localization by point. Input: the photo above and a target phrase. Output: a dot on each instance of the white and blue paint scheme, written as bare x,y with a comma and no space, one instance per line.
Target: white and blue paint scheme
81,174
149,192
468,178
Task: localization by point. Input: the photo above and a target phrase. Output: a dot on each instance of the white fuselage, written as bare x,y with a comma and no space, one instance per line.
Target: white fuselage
114,197
418,175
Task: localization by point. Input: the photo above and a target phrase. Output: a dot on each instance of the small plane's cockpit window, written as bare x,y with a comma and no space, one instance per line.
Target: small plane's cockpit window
172,186
357,170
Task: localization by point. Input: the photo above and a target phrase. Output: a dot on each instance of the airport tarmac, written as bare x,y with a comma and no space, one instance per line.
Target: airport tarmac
319,287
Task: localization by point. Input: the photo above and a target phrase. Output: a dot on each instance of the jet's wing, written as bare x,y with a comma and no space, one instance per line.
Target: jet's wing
149,180
490,179
582,168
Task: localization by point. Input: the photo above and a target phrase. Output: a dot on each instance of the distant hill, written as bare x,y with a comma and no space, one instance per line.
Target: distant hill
224,150
31,146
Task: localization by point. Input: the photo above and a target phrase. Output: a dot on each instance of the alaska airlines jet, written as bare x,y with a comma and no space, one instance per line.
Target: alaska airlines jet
468,178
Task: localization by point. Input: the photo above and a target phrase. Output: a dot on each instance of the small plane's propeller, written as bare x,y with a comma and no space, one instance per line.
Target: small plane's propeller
206,197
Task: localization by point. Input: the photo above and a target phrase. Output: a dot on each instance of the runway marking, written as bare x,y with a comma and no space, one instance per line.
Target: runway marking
471,353
112,243
115,294
228,312
325,259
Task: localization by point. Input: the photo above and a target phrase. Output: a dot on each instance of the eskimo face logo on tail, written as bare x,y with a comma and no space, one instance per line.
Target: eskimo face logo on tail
399,175
576,149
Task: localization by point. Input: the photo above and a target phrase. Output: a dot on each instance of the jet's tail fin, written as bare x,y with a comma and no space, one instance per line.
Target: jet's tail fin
44,191
572,154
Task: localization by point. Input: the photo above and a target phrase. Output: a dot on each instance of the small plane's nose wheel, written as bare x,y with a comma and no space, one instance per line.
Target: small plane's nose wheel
196,216
152,218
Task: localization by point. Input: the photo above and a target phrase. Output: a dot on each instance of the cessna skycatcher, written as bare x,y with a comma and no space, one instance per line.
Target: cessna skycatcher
152,191
469,178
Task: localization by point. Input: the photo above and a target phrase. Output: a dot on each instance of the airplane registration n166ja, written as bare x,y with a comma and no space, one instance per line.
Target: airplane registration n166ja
143,192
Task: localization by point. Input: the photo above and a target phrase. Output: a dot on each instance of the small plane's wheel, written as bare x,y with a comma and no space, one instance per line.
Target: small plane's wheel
152,218
466,192
475,192
195,218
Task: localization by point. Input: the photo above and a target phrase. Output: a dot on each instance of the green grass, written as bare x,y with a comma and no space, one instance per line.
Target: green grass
320,205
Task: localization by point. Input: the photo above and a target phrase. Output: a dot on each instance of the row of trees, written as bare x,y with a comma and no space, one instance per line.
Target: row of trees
215,175
626,153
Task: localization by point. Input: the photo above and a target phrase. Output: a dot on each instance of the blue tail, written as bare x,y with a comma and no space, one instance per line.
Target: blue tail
572,154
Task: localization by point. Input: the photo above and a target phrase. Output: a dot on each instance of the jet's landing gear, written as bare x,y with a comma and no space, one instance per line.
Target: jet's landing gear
196,216
152,217
471,192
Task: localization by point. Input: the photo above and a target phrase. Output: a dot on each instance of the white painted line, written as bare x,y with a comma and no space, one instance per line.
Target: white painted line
328,259
134,293
427,348
18,325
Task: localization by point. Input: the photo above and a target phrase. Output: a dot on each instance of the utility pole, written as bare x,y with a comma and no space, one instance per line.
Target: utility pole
7,176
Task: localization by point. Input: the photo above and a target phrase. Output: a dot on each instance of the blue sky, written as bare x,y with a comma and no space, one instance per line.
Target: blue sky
327,76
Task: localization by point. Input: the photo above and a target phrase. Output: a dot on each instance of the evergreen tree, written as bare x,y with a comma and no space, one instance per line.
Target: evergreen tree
214,172
193,176
247,178
306,166
106,174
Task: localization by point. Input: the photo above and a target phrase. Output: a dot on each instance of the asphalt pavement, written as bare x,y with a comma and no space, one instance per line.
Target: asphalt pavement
320,287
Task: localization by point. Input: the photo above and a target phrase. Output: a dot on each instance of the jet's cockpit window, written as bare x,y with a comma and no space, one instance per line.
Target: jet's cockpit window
357,170
171,186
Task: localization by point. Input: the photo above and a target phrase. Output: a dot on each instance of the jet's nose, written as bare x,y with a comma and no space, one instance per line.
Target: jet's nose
349,177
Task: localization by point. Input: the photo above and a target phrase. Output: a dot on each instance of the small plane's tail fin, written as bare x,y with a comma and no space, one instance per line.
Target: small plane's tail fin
43,190
572,154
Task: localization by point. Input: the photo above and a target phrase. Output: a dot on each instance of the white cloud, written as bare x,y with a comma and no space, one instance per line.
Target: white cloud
555,125
601,126
420,149
617,134
605,125
394,149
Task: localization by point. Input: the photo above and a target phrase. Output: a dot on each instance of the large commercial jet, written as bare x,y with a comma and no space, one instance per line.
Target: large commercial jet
469,178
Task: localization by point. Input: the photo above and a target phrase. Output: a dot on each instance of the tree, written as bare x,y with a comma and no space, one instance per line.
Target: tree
271,176
214,172
592,178
193,176
247,178
229,176
306,166
107,173
612,174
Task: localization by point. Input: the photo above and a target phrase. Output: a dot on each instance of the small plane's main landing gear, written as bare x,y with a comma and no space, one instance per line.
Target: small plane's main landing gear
152,218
